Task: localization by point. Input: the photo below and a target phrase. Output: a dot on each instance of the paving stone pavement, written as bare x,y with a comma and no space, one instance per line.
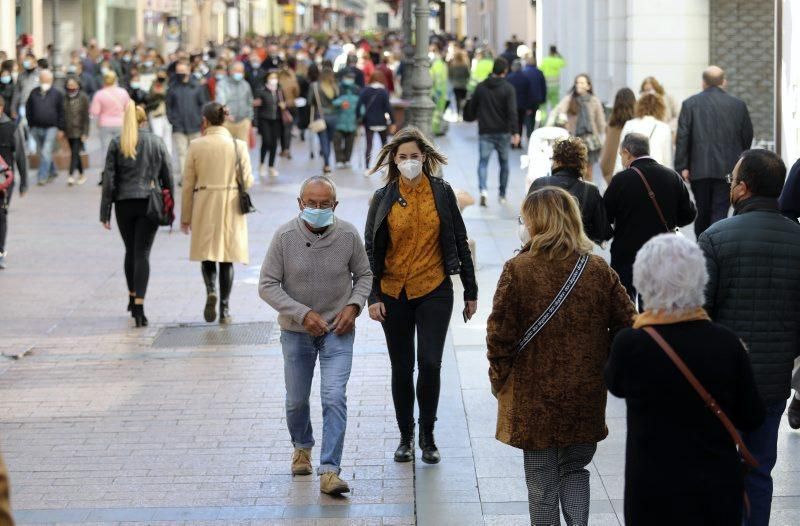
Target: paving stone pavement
99,426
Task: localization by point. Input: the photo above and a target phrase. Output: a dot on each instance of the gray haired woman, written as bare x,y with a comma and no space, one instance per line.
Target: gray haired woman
677,449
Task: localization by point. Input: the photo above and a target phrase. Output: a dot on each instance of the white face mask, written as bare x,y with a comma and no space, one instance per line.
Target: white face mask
45,87
410,168
524,235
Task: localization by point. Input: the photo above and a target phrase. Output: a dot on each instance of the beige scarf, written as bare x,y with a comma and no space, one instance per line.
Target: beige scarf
650,317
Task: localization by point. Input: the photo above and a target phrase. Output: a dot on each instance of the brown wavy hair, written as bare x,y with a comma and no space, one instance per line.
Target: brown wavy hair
573,108
434,159
553,219
624,104
570,152
651,104
657,87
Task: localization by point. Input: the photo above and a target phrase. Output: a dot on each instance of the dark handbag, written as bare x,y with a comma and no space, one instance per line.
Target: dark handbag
245,203
286,115
746,459
160,206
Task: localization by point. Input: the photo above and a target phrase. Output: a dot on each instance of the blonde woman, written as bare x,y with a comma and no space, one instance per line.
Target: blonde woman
210,206
416,239
549,384
108,107
321,95
135,160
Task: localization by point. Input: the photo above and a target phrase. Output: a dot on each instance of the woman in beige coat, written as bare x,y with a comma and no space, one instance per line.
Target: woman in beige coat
210,208
582,114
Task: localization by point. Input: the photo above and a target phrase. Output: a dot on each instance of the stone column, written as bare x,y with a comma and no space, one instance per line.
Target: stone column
56,66
8,28
408,50
422,106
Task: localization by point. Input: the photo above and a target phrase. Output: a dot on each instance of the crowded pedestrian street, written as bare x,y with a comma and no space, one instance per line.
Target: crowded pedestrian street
183,422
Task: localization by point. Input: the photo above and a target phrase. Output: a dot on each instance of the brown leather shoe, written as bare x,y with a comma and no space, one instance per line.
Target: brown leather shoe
301,462
331,484
794,413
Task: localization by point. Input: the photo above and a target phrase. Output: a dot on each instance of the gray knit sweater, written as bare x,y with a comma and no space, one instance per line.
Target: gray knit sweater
304,272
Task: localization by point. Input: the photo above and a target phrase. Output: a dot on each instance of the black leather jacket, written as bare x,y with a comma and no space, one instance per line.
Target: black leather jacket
593,211
453,236
125,178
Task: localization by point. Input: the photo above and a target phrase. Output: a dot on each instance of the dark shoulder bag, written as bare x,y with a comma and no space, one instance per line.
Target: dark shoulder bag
160,205
652,196
245,203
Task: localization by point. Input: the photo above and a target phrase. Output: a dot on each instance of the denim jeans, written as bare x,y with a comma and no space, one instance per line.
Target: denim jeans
45,142
300,352
763,444
326,140
501,142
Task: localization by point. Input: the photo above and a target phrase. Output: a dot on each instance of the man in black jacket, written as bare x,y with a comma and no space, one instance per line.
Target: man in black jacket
754,289
185,100
714,128
495,105
632,211
45,113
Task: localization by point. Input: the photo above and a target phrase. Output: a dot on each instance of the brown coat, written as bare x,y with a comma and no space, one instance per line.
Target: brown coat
5,507
211,199
553,394
608,157
597,116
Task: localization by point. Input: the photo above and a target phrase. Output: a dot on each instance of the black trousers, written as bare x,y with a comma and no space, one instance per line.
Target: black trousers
138,234
624,270
270,132
286,135
5,202
209,270
343,145
713,199
75,146
369,134
461,96
429,317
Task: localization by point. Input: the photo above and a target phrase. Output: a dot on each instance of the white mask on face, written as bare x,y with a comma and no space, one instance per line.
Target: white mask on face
410,168
45,87
524,235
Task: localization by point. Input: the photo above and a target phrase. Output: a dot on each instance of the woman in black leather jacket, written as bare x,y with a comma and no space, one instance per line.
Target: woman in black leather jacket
416,239
136,160
570,161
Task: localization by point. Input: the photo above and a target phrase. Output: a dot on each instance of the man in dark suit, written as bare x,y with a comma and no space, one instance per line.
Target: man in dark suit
714,128
632,211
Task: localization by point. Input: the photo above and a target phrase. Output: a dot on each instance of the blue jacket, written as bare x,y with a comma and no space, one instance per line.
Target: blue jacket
538,83
184,106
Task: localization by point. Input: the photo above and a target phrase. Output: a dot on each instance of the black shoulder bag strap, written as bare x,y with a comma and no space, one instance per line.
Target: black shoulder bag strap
555,305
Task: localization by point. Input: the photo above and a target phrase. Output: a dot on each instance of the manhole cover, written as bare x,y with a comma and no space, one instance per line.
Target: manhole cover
214,335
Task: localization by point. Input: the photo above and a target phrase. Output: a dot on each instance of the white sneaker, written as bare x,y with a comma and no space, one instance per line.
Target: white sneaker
503,200
484,198
273,172
81,179
262,170
70,181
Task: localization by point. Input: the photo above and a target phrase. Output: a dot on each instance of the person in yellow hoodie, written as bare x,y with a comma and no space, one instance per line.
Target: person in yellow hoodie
5,506
439,76
551,66
481,68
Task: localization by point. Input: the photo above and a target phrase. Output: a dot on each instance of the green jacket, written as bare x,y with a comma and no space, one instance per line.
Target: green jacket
480,72
346,117
551,66
439,76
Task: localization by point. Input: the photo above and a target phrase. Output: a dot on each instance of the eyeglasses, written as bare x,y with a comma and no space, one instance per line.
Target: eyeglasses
319,206
729,178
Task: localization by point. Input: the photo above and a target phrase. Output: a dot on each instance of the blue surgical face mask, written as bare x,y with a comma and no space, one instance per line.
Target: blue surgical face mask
238,76
27,64
197,75
219,76
148,63
317,217
5,79
135,85
348,82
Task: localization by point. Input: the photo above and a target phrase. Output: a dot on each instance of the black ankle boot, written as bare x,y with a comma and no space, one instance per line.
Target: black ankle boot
224,313
405,451
430,453
131,301
138,315
209,270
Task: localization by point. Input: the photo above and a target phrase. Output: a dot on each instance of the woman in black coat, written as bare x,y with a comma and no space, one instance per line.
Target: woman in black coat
681,464
374,111
570,162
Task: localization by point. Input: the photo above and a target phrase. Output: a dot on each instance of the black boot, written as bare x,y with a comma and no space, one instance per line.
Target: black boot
138,315
209,269
131,300
405,451
225,286
430,453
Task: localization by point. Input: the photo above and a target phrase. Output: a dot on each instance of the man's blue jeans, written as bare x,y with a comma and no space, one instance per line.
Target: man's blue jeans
763,444
501,142
45,142
300,352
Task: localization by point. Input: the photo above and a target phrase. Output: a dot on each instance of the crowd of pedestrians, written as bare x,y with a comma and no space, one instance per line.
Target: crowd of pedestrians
565,328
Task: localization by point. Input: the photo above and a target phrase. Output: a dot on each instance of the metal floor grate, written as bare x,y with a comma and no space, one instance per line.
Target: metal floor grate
214,335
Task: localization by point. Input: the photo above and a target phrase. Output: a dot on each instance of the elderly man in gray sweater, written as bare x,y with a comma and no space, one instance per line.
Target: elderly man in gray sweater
317,276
